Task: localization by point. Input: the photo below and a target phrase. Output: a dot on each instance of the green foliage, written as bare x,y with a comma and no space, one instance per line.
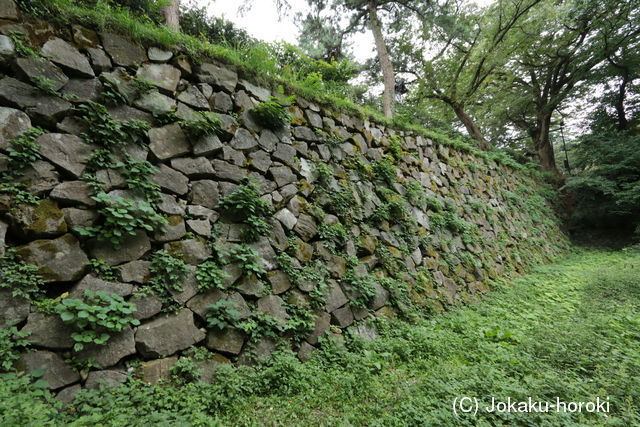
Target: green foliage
415,193
185,370
209,124
222,314
111,94
12,343
246,257
121,218
166,117
385,170
138,176
103,270
324,173
21,278
105,131
26,400
23,150
316,273
18,192
96,317
245,204
167,274
271,114
210,276
334,236
395,148
20,43
361,285
343,202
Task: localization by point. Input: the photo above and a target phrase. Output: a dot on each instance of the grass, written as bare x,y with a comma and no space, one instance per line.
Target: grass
255,62
569,330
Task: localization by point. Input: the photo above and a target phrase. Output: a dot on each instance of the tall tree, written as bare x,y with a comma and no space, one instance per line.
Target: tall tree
171,12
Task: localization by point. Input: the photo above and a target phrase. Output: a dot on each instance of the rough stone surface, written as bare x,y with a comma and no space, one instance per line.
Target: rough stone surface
279,281
134,248
56,373
147,306
69,152
68,57
41,108
166,335
40,70
135,271
122,51
73,193
171,180
322,324
93,283
198,167
107,378
12,123
155,103
8,10
273,305
194,98
42,220
155,370
159,55
168,141
286,218
13,309
77,218
335,298
119,346
58,260
217,76
228,340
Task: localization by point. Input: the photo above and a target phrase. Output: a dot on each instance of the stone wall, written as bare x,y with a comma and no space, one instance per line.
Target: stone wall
367,221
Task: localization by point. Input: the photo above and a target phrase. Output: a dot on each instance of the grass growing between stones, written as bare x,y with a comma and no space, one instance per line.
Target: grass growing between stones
569,330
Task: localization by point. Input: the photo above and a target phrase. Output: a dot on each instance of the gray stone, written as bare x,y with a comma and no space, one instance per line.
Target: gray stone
68,57
194,98
170,180
72,125
56,373
208,368
200,226
158,55
7,48
244,140
187,113
68,152
259,352
99,379
135,271
13,309
334,297
169,205
380,298
3,234
229,340
251,285
83,90
342,317
285,153
305,351
48,331
73,193
93,283
197,211
228,171
267,255
279,281
204,193
12,123
192,251
147,306
287,218
68,394
154,371
166,335
217,76
155,103
261,93
168,141
366,332
314,119
134,248
99,59
39,106
306,227
273,305
119,346
232,273
58,260
268,140
174,230
123,113
8,10
321,327
260,160
110,179
207,145
77,218
42,220
282,175
305,134
198,167
39,69
200,303
221,101
122,51
233,156
163,76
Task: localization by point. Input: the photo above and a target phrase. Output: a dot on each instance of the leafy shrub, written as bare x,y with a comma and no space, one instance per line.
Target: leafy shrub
334,235
23,150
245,204
21,278
222,314
210,276
247,257
385,170
209,124
111,94
20,43
103,270
12,343
105,131
271,115
96,317
324,173
167,274
122,218
362,285
138,176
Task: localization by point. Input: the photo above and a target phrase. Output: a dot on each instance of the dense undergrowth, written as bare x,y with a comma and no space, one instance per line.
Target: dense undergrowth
569,330
279,66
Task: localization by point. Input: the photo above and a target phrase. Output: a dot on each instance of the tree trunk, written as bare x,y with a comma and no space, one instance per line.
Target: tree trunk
623,124
472,128
389,94
542,145
171,14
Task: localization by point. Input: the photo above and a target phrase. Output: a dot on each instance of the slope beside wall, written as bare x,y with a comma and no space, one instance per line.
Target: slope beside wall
367,222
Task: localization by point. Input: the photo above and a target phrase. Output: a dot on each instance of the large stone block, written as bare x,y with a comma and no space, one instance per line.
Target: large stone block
56,373
68,57
69,152
122,51
119,346
168,142
48,331
167,335
13,309
58,260
133,248
12,123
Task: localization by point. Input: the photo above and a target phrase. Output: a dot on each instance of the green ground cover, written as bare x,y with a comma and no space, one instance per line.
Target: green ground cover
570,330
